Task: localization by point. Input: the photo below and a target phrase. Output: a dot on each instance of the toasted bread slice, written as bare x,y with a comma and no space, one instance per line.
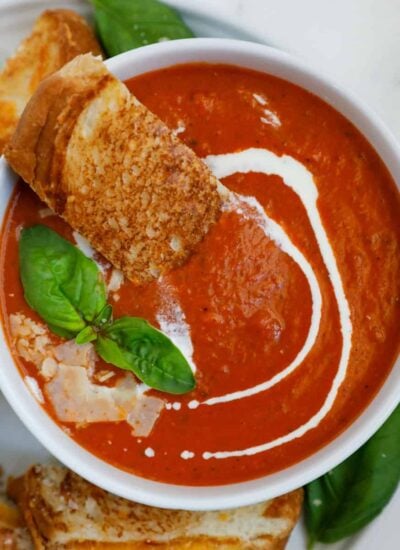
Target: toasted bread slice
63,511
113,170
57,37
13,532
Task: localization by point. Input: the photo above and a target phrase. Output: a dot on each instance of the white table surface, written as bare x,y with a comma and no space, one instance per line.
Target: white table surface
355,42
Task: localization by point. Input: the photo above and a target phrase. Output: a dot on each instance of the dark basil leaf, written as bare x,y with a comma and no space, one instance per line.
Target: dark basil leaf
126,24
104,316
133,344
65,287
88,334
344,500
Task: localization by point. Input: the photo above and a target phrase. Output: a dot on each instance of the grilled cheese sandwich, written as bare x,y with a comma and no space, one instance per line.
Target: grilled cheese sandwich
64,512
57,37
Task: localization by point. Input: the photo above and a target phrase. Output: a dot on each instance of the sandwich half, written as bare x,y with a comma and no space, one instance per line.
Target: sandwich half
14,534
113,170
57,37
65,512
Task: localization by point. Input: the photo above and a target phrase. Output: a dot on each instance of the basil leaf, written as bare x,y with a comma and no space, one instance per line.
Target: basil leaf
64,286
133,344
126,24
88,334
112,353
344,500
104,316
67,334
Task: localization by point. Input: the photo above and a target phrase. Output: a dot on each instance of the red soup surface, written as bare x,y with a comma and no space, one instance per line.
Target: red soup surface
247,300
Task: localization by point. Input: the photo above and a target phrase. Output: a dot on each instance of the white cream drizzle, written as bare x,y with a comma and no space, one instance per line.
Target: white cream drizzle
34,388
187,455
149,452
271,118
250,208
83,245
172,321
260,99
172,318
300,180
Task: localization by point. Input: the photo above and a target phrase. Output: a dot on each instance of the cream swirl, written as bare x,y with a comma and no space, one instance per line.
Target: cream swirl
296,176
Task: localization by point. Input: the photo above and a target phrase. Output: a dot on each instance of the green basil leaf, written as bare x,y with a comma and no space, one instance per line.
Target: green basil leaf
112,353
345,499
88,334
67,334
64,286
126,24
133,344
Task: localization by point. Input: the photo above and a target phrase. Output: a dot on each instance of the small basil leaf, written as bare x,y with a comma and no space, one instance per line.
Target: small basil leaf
343,501
133,344
88,334
126,24
60,283
104,316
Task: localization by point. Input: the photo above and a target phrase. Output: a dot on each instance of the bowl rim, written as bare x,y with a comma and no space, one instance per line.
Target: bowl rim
132,487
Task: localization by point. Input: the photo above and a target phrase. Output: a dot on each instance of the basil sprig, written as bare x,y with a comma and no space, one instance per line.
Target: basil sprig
345,499
123,25
67,290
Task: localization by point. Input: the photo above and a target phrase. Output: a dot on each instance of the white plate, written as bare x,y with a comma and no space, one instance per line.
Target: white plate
18,449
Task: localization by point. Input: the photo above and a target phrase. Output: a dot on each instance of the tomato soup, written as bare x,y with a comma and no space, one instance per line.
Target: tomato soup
289,308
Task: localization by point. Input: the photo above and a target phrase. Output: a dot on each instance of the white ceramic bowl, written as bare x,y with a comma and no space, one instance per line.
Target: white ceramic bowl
277,63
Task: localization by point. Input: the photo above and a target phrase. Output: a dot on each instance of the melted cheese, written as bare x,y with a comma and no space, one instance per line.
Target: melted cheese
76,399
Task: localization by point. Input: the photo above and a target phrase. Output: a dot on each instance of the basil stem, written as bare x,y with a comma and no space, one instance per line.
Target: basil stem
88,334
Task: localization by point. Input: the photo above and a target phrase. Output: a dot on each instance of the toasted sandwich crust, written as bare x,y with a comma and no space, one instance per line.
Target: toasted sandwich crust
13,532
65,512
57,37
113,170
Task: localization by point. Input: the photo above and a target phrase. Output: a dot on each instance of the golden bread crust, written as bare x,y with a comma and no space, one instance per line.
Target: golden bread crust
63,511
13,532
57,37
113,170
